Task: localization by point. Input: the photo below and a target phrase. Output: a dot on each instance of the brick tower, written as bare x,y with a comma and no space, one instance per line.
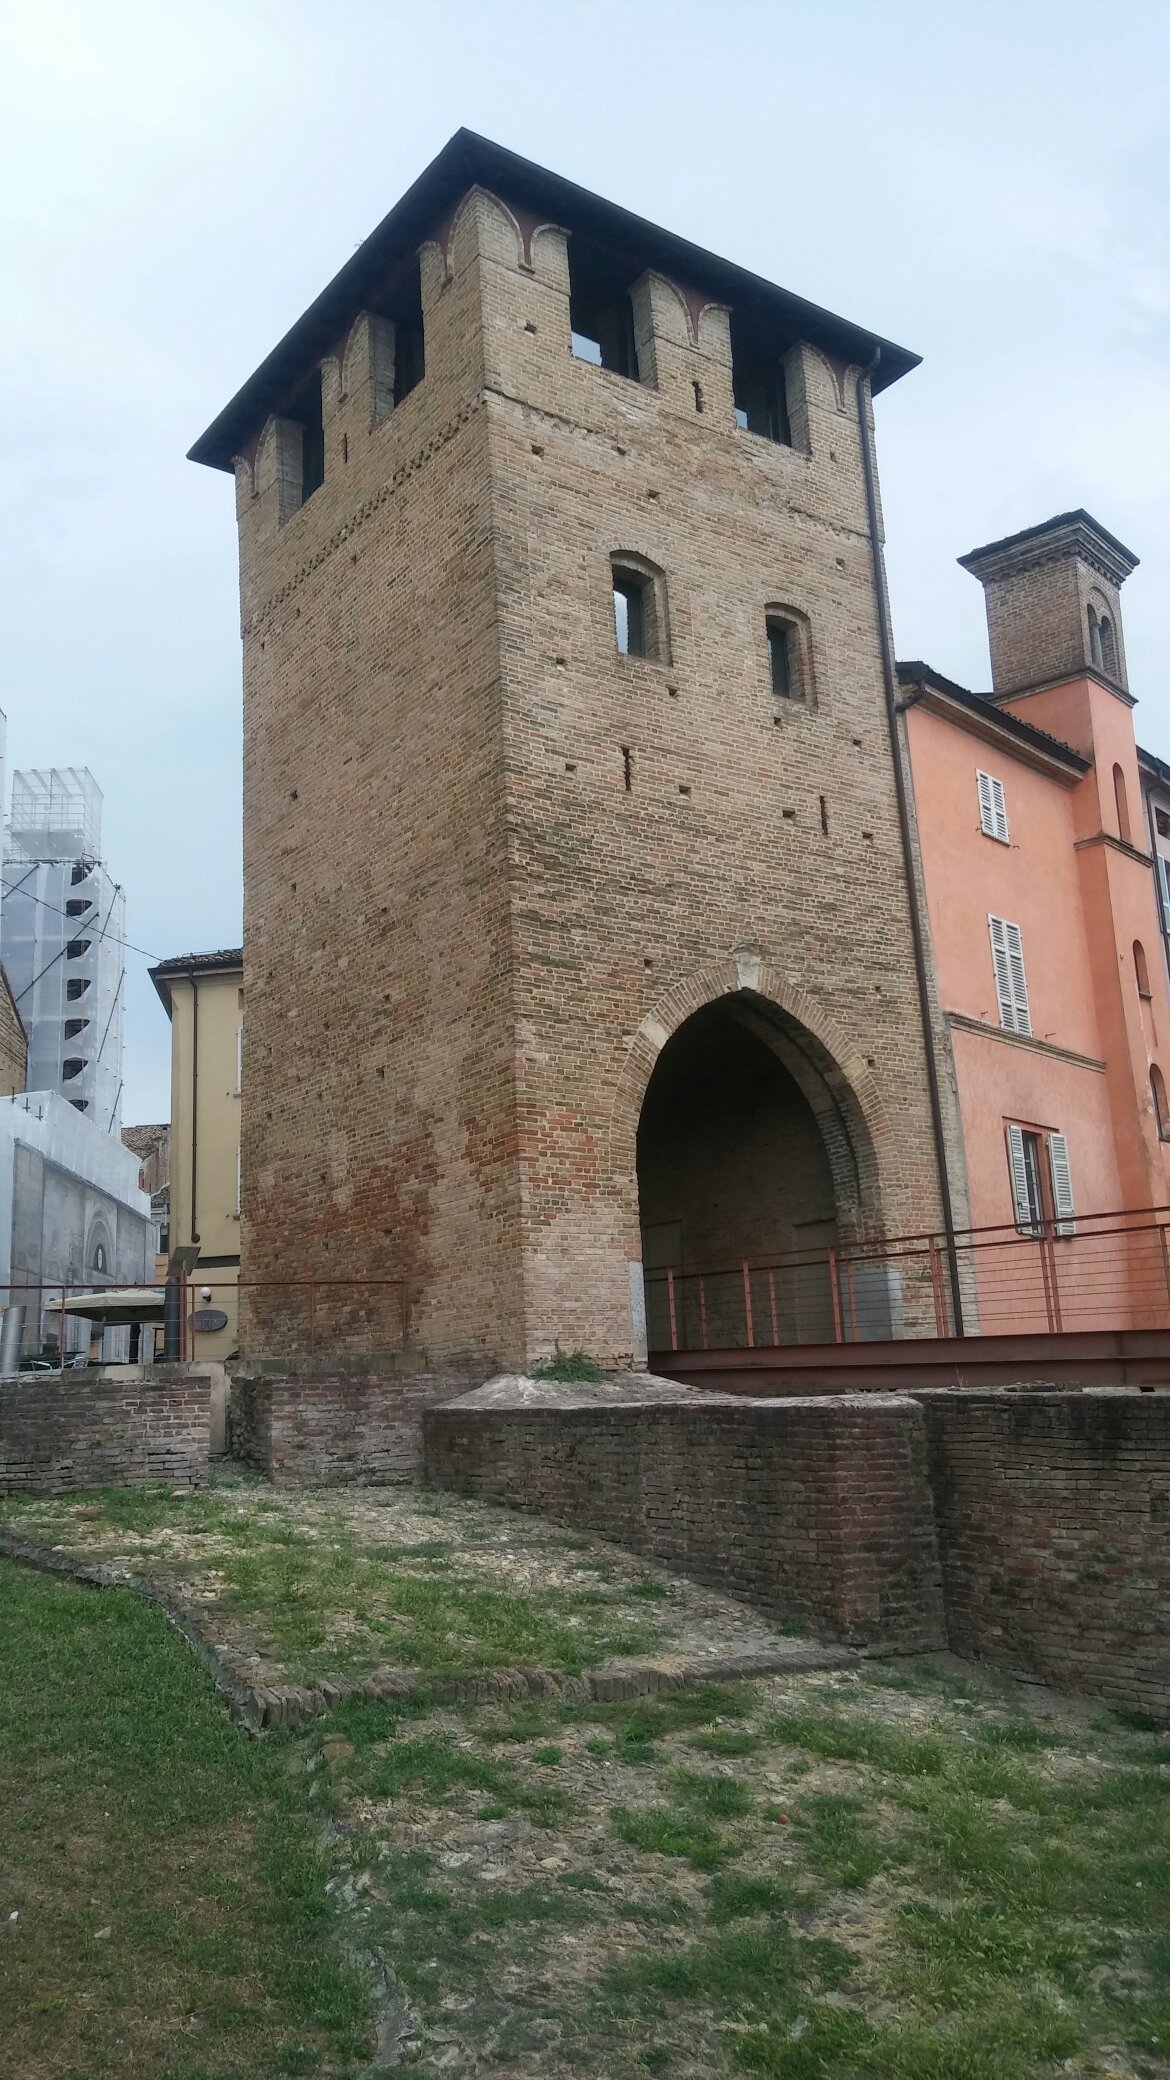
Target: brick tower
576,927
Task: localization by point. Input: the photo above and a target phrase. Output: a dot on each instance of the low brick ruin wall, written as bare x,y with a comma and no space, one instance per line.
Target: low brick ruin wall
310,1424
1053,1515
813,1510
95,1429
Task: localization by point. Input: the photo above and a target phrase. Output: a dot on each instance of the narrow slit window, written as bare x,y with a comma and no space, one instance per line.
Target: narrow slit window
1011,987
1108,659
410,361
993,820
1140,969
1161,1108
306,410
1094,637
639,610
629,614
785,664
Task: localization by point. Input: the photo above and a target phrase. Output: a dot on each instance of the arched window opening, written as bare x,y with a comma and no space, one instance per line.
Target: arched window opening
788,656
1094,637
1161,1108
1140,969
1105,637
1121,799
639,610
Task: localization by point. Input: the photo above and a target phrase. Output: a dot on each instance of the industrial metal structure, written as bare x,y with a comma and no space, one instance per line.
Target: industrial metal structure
62,927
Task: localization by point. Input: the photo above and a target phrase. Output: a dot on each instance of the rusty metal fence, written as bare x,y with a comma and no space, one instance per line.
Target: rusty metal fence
365,1315
1103,1271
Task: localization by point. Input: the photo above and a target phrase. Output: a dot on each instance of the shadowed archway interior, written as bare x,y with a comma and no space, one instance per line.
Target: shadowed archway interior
732,1165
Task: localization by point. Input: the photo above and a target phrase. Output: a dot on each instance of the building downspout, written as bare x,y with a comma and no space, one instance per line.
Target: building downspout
194,1101
916,931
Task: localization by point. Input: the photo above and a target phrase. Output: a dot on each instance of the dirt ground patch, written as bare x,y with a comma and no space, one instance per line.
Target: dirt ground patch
307,1584
907,1872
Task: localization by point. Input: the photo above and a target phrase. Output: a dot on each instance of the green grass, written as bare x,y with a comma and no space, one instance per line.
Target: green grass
318,1600
810,1880
173,1914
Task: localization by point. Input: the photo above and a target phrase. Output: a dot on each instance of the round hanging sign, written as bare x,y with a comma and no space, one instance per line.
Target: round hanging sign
206,1319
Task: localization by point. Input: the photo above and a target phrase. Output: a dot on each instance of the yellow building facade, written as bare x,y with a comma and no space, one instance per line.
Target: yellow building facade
203,996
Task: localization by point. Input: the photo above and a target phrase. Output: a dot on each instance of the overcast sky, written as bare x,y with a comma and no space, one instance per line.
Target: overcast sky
986,183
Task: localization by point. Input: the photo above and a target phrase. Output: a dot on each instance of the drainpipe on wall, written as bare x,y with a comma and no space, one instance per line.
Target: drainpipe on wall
916,931
194,1099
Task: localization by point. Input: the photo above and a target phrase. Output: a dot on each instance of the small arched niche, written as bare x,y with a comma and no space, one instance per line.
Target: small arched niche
1121,801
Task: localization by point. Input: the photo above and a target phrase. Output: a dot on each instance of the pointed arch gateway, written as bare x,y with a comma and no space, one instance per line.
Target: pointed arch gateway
753,1131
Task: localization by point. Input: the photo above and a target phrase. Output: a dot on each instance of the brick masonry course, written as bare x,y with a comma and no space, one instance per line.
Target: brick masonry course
1053,1515
1031,1530
314,1425
83,1430
814,1511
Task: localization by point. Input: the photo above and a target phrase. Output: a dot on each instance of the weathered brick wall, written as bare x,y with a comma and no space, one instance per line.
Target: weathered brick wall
82,1430
815,1511
307,1425
466,940
1053,1515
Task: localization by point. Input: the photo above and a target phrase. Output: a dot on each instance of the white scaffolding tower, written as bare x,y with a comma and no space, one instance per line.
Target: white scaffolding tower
62,924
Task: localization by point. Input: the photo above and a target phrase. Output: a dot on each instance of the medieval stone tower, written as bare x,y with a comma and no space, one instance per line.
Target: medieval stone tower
576,928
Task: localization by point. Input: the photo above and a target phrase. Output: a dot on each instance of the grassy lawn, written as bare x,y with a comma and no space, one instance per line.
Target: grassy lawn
341,1582
163,1909
902,1872
904,1875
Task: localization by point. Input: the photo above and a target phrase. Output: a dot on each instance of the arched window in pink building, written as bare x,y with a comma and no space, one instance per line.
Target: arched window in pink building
1140,969
1122,800
1161,1108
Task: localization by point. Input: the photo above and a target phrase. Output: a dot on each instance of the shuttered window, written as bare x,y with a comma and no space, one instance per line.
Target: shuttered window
1061,1180
1011,987
1024,1165
992,807
1025,1156
1163,867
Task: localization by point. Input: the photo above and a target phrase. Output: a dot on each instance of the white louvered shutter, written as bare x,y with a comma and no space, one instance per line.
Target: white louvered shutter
992,807
1018,1167
1061,1175
1011,986
1164,890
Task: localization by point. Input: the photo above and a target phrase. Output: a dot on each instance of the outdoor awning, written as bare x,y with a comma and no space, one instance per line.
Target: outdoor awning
113,1305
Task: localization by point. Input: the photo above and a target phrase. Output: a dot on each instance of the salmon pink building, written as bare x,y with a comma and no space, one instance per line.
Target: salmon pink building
1047,910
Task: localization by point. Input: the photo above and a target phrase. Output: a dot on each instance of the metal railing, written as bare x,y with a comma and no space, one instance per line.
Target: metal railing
334,1314
1102,1271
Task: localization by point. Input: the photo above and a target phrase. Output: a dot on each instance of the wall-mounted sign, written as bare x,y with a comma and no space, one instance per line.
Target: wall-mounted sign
207,1319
